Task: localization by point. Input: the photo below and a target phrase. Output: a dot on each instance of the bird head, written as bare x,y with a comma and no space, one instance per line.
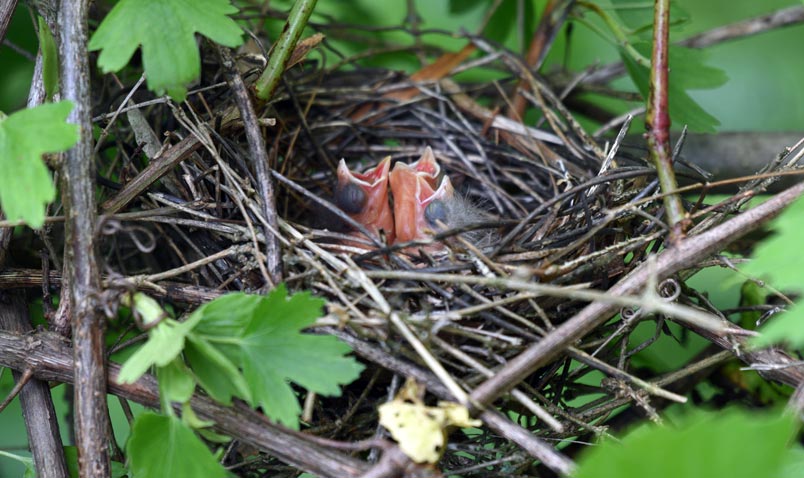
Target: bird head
364,197
421,201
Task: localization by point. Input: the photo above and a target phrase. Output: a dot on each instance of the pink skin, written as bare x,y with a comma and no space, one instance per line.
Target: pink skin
376,213
412,191
413,187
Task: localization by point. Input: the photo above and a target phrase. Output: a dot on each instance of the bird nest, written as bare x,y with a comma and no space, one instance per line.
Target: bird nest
557,214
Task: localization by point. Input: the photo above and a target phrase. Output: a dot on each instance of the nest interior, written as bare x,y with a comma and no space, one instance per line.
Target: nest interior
557,207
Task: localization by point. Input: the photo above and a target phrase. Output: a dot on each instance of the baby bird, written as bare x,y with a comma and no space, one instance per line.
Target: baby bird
420,202
364,197
424,200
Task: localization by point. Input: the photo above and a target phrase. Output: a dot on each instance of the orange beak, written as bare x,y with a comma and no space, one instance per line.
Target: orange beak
427,167
418,205
364,197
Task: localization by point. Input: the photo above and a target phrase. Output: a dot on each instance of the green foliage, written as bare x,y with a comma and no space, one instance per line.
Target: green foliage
165,343
247,346
163,446
782,267
166,30
25,184
638,16
71,457
687,72
27,462
730,443
50,59
261,335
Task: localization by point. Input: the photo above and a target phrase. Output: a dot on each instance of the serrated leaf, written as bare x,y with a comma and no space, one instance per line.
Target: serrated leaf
731,443
266,342
50,59
25,184
165,343
683,109
161,446
166,31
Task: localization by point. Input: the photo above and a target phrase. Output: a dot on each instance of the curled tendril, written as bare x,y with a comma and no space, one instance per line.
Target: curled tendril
669,290
143,239
630,313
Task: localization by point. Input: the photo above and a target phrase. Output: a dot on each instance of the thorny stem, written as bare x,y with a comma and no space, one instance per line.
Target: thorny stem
297,20
658,121
689,252
81,267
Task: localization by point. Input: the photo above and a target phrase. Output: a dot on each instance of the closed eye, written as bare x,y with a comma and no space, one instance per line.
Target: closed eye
350,198
436,212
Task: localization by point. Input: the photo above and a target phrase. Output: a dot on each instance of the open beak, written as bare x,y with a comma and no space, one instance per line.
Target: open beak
419,206
364,197
427,167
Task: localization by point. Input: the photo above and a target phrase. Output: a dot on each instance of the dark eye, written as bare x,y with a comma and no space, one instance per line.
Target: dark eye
351,198
436,211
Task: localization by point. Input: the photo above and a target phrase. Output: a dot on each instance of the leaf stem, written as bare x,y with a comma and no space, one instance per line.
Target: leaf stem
297,20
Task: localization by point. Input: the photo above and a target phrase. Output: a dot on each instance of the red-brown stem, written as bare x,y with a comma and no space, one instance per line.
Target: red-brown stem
658,121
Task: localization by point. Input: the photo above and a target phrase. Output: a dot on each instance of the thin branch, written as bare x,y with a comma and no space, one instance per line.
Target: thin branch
44,438
50,358
259,158
7,8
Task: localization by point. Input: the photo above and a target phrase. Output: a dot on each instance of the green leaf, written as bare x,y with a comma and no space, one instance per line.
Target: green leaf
266,342
794,463
638,16
50,59
145,306
683,109
776,261
787,327
25,184
216,372
165,343
166,30
189,418
161,446
731,443
176,383
689,69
